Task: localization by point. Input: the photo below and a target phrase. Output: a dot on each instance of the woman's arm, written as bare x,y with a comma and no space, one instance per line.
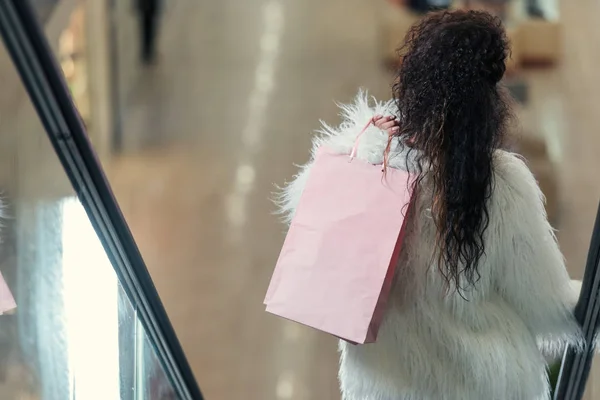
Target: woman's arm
530,270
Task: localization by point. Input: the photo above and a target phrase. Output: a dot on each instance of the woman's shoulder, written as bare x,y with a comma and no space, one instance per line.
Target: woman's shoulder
507,163
511,169
514,183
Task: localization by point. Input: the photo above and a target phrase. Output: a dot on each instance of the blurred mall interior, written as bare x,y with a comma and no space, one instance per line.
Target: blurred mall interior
194,144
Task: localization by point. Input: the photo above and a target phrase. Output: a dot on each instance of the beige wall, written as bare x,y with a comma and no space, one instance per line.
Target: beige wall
98,53
128,48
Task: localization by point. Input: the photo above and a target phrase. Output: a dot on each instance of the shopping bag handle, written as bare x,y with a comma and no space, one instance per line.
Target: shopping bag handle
357,140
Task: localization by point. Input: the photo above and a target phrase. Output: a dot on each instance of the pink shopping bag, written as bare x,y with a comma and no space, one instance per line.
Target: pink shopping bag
338,260
7,302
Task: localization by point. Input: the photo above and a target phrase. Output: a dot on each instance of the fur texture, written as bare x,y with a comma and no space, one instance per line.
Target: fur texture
433,344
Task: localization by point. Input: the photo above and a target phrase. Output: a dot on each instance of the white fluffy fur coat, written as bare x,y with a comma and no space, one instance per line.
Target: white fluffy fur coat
435,345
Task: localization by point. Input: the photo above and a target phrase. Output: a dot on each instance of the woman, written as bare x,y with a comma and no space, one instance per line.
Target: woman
149,14
481,294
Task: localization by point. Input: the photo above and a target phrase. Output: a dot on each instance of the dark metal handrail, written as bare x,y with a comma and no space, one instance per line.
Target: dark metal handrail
576,365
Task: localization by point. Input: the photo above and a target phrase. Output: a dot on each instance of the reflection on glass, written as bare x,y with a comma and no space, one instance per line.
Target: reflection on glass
68,322
141,376
153,382
127,329
91,312
75,334
43,8
40,368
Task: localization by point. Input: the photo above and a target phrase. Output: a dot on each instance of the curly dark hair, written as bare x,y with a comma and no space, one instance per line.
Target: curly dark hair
453,115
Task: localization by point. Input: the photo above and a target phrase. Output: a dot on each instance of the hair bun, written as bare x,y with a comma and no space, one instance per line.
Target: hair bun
491,55
465,46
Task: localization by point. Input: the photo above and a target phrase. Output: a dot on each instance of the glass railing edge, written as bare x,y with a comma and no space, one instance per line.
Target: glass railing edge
40,73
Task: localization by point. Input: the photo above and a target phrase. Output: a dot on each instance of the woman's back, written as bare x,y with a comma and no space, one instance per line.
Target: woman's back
480,343
485,341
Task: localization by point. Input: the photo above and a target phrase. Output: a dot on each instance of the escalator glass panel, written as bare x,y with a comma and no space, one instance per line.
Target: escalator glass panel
87,324
74,322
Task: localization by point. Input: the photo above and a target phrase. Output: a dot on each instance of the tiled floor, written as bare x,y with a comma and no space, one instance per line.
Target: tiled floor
225,115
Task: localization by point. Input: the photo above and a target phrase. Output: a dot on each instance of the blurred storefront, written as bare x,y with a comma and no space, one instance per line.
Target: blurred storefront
87,67
97,45
72,52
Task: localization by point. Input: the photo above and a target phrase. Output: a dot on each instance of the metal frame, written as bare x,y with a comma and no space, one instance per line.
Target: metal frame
43,79
576,366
